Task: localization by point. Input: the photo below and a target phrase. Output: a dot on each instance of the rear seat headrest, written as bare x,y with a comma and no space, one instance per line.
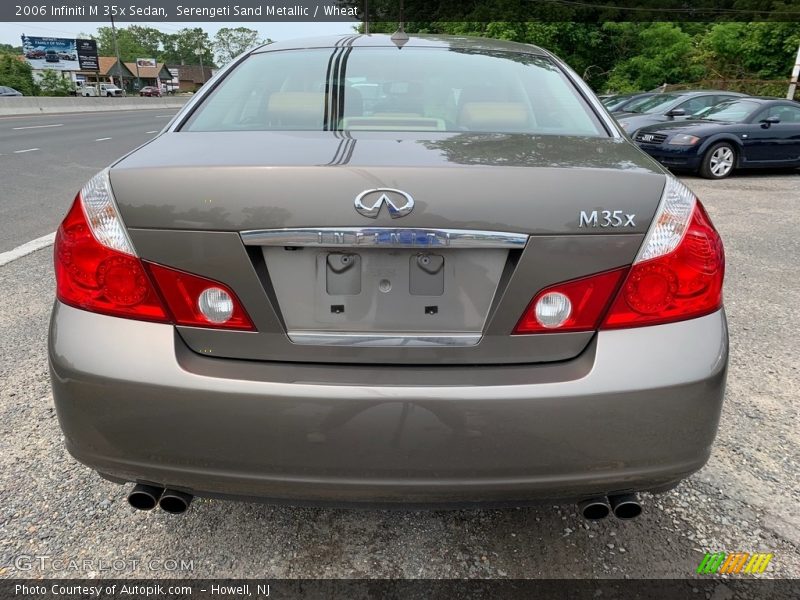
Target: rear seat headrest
303,109
495,116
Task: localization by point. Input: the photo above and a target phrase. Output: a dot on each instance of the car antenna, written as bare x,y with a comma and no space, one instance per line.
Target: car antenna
400,37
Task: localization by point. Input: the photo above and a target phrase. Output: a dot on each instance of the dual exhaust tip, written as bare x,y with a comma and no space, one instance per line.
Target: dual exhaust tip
624,507
147,497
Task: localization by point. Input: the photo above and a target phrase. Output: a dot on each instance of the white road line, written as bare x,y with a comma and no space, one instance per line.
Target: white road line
24,151
164,116
27,248
102,139
37,127
155,131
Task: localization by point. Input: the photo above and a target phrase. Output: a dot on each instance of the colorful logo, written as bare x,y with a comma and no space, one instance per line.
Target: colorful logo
735,562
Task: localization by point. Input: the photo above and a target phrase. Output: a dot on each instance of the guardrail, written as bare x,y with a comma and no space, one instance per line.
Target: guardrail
35,105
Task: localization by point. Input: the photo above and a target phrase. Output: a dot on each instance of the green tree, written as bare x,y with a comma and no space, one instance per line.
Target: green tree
180,48
148,40
134,42
762,50
617,56
51,83
231,42
8,48
16,73
666,54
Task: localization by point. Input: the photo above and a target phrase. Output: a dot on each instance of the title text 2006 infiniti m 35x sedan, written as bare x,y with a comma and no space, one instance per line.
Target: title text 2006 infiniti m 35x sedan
431,273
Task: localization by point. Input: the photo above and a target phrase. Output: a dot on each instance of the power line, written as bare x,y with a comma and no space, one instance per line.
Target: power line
27,26
688,11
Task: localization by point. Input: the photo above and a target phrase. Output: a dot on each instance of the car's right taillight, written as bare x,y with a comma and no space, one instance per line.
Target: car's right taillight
679,271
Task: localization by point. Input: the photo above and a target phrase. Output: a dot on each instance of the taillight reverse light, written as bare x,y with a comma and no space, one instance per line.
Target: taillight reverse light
97,270
677,275
576,305
199,302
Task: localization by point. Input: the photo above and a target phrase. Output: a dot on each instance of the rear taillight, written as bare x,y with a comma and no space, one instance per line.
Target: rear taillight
97,270
677,275
679,271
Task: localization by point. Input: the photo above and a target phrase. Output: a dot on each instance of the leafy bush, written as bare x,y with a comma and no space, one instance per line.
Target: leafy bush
52,83
16,73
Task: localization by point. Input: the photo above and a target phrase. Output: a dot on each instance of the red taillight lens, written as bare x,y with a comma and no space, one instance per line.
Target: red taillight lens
683,284
679,278
183,292
98,279
587,300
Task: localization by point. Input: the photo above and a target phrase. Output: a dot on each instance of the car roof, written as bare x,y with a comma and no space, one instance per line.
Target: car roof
385,40
766,99
700,92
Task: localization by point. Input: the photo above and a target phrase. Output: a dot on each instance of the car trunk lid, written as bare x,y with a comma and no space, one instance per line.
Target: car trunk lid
496,217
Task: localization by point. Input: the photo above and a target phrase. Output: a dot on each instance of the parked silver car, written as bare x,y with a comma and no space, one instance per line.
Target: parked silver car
471,289
9,91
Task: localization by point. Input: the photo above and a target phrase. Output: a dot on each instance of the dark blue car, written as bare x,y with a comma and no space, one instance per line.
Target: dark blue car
741,133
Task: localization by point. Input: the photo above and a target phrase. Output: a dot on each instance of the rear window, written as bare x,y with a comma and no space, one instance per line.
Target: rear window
383,89
654,103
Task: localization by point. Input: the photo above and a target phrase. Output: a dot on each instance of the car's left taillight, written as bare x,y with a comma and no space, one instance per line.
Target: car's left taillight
97,270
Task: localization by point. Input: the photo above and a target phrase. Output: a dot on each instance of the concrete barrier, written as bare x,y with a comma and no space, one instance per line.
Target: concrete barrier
36,105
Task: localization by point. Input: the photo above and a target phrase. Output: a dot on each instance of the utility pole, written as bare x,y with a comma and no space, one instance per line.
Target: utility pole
366,17
199,53
795,74
116,49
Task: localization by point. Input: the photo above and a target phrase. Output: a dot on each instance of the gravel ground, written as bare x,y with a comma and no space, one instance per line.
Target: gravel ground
745,499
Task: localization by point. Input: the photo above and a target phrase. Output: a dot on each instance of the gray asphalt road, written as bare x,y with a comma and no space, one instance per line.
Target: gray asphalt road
745,499
44,160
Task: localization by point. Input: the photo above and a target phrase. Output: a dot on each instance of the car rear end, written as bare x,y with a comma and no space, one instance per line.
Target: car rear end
322,299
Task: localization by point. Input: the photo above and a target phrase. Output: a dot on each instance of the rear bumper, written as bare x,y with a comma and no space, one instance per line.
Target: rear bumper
638,410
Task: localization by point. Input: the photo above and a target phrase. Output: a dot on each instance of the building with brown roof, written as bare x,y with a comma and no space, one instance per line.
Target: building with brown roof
153,76
191,77
110,70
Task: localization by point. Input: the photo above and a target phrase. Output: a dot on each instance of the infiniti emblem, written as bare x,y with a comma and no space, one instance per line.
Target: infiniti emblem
369,202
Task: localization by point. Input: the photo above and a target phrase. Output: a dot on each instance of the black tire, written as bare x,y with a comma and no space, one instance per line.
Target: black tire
719,161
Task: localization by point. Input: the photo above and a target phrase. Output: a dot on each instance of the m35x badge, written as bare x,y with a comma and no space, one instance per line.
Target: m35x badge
606,218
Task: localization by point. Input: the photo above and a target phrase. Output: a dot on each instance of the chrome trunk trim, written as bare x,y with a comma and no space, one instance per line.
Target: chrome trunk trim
325,338
379,237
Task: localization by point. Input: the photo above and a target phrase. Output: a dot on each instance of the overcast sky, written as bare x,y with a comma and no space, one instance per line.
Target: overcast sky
10,32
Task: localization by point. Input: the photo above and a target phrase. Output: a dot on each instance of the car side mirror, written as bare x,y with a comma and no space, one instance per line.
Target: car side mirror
676,112
765,123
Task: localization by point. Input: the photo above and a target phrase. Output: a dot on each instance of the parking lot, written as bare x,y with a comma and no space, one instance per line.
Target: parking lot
746,499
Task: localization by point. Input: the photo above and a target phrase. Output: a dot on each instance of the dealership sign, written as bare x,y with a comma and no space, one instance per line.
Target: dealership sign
87,55
60,54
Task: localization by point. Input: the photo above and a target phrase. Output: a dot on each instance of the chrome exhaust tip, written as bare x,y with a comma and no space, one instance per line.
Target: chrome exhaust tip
625,506
175,502
144,497
594,509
